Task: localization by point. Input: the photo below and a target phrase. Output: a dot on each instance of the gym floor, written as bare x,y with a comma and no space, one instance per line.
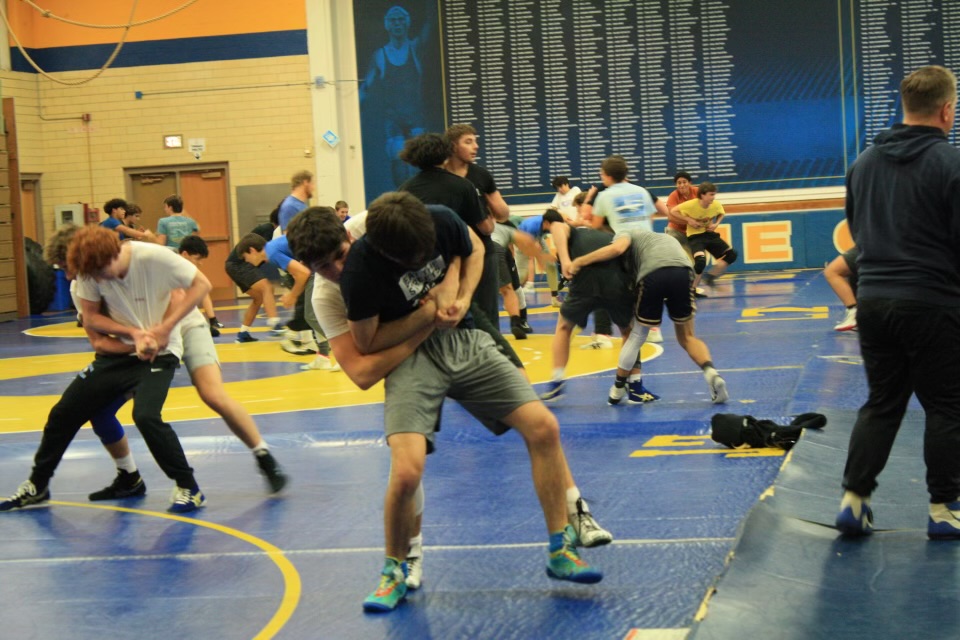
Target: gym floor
299,564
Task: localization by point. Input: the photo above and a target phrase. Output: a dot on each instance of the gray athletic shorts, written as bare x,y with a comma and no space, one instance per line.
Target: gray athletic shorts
461,364
198,348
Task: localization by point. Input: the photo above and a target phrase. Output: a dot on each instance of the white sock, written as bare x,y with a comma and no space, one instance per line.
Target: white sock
126,463
558,373
573,494
244,327
709,373
260,448
634,377
273,322
416,544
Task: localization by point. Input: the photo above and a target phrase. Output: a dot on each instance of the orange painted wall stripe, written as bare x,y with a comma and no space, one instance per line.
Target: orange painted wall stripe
204,18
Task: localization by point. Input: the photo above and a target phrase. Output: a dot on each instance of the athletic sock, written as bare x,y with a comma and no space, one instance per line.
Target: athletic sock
634,377
709,373
244,327
260,449
573,495
416,544
558,373
273,322
126,463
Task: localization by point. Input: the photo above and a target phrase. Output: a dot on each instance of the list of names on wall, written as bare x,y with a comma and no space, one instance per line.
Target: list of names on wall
894,38
555,86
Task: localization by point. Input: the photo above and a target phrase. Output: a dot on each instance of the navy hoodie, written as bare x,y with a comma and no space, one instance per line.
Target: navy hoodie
903,207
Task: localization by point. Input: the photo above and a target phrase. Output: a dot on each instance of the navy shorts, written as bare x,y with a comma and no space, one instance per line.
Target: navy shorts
672,286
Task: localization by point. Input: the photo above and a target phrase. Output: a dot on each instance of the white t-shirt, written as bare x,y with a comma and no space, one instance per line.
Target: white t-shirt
327,300
140,299
564,203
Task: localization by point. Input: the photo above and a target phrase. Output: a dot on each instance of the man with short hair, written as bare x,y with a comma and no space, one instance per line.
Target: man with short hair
302,186
175,226
621,204
602,287
135,281
415,269
676,227
563,200
343,210
904,215
702,216
241,265
662,275
194,248
116,210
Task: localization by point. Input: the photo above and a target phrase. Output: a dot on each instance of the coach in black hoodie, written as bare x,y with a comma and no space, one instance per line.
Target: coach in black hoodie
903,207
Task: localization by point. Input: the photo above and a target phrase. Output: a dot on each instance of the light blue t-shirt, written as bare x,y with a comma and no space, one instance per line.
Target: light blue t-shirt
176,228
290,207
626,206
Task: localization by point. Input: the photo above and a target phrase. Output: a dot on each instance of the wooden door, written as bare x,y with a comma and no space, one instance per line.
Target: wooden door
149,190
204,196
28,210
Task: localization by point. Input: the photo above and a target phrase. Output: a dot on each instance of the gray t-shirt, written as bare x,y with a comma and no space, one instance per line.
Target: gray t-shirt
651,251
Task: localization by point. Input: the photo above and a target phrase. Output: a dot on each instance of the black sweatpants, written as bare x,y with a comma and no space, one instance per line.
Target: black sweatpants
97,386
908,347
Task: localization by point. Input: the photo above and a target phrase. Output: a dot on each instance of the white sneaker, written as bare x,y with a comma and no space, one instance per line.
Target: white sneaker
589,533
415,571
321,363
849,322
599,341
655,336
718,390
296,348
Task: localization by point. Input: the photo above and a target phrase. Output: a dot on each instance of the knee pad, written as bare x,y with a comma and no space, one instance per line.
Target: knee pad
730,256
699,263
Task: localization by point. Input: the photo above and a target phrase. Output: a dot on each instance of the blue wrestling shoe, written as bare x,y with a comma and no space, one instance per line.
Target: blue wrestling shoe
638,394
244,336
555,390
390,592
186,500
565,563
26,496
944,523
855,517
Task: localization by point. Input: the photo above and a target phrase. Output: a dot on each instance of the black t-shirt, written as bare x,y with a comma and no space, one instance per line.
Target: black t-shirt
375,286
439,186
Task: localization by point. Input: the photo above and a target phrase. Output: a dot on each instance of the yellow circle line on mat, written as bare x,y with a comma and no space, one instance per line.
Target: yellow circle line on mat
291,578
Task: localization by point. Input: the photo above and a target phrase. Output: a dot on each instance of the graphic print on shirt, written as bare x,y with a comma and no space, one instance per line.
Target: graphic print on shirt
416,284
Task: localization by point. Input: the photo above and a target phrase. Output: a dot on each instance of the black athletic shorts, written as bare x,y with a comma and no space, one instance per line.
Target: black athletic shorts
507,268
244,274
670,285
594,288
709,241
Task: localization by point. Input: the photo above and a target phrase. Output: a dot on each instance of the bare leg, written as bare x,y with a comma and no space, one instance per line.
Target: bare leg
837,275
408,453
541,433
209,383
264,291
